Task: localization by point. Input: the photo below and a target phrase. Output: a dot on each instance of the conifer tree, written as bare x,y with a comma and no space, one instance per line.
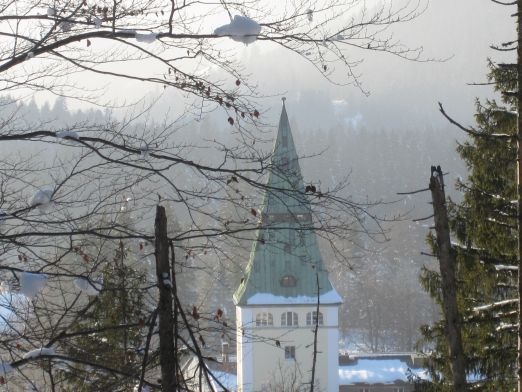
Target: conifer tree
484,230
117,320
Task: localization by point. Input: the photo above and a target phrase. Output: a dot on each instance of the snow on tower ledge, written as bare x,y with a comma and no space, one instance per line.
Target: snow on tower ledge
285,263
331,297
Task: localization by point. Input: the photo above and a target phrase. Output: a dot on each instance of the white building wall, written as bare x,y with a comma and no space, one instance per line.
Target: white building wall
244,349
333,349
262,364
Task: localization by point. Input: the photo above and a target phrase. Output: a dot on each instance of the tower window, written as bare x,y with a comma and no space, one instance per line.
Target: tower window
289,352
291,237
301,235
311,318
289,319
288,281
264,319
284,163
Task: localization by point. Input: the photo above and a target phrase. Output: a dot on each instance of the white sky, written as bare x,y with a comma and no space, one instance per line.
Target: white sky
402,93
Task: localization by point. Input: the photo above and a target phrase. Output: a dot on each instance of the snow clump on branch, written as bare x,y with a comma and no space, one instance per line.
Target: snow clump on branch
31,283
38,352
66,26
146,37
144,151
64,134
42,199
166,279
241,29
88,287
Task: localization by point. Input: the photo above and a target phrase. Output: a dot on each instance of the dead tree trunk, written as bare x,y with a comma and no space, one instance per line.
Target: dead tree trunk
316,330
165,313
447,264
519,190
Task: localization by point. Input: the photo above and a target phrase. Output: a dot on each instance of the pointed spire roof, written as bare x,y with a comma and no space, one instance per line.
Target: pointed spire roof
285,262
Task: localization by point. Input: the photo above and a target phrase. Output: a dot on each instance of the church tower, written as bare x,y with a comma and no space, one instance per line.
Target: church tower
276,302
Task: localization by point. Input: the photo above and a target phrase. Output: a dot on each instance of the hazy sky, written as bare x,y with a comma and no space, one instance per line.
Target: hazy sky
406,93
402,93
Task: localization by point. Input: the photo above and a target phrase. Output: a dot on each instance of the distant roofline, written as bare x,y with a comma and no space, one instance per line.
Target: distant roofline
383,354
331,304
233,355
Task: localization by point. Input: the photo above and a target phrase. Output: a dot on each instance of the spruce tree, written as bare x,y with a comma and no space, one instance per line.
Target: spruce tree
117,320
484,230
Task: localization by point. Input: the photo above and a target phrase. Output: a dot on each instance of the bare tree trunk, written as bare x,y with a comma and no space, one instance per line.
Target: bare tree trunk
166,320
316,329
519,189
447,264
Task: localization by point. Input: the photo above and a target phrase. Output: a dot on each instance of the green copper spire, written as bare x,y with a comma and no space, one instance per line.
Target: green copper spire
285,261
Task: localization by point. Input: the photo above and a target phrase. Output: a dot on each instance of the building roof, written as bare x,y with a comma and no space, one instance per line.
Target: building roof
375,369
222,375
285,262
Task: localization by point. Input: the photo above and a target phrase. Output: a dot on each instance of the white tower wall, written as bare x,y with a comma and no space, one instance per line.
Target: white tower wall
261,362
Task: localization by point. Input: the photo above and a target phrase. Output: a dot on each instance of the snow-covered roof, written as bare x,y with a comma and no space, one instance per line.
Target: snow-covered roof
222,373
378,370
228,380
331,297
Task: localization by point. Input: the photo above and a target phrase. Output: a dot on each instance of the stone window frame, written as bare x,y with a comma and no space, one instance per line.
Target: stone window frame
290,352
264,319
289,319
310,318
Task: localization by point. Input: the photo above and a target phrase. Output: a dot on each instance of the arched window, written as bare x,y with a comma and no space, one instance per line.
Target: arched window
264,319
288,281
289,319
311,318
